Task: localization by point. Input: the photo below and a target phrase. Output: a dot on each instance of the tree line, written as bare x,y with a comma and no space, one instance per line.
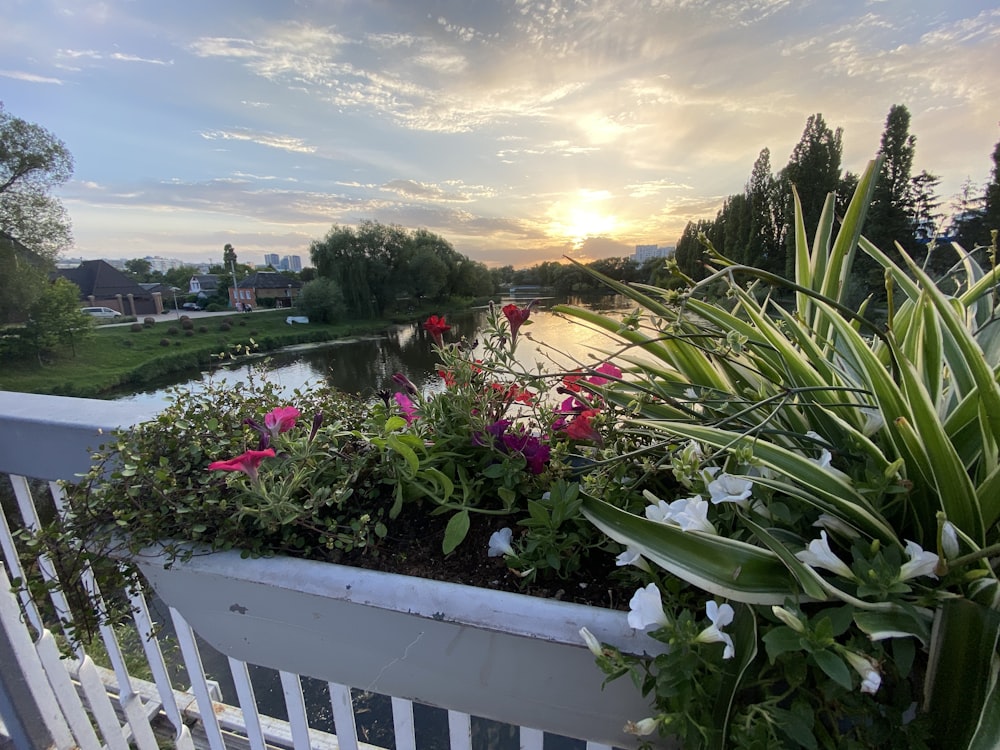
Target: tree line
369,270
753,227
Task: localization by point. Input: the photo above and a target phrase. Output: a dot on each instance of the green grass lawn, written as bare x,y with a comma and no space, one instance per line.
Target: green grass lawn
117,356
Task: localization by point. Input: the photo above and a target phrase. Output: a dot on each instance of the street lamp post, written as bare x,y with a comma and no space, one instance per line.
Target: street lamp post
232,266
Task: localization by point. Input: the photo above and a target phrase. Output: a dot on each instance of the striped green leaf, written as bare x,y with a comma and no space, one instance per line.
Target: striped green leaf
723,567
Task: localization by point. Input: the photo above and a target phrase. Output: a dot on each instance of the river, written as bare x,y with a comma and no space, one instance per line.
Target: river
367,364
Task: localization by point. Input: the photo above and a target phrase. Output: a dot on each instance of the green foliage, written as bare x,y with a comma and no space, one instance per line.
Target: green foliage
34,228
377,266
56,319
322,301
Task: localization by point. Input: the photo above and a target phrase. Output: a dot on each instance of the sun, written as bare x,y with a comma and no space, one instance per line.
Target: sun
585,217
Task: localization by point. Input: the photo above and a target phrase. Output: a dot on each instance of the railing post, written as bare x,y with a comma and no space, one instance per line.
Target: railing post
28,706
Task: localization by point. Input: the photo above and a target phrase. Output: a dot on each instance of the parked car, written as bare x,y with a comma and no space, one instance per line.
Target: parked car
190,306
102,312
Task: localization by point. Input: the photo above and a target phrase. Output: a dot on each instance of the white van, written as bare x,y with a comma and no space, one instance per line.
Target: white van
102,312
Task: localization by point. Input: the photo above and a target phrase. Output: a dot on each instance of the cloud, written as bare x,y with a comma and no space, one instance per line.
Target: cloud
414,189
271,140
92,54
19,75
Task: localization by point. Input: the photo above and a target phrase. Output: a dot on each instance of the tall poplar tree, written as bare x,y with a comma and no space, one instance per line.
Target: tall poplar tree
992,206
814,170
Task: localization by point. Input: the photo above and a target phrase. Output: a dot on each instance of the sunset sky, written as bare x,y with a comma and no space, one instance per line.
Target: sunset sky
519,130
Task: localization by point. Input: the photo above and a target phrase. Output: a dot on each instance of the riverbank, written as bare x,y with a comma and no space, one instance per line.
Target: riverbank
128,355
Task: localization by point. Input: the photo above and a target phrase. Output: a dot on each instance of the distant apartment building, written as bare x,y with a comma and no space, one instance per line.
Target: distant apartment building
645,252
287,263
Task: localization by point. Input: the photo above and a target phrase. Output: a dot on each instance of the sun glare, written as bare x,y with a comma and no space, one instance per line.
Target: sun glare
583,219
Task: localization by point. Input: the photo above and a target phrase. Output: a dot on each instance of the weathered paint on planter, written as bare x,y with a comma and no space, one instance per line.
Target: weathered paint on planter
498,655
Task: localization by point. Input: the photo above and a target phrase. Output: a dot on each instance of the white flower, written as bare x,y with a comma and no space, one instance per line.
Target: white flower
874,421
659,511
646,608
824,459
641,727
949,540
592,643
632,556
819,555
871,680
500,543
730,489
789,618
720,615
692,515
920,563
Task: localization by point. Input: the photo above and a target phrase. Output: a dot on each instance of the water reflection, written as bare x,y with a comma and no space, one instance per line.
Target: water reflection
367,364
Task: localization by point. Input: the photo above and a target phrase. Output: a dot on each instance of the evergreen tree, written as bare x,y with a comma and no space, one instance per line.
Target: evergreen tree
968,221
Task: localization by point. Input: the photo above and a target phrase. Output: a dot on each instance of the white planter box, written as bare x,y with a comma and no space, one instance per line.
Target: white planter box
509,657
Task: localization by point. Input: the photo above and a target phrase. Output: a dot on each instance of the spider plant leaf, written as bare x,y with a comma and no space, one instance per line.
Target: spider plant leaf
961,679
829,491
744,634
722,566
795,566
879,625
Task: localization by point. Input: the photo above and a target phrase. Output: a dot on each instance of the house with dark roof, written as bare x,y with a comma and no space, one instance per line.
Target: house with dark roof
266,289
204,285
103,285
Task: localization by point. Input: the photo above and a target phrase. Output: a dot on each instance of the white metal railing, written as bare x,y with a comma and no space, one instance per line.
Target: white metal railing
66,700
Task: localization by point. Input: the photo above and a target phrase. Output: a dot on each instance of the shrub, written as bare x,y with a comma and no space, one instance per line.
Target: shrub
136,327
189,331
202,329
149,322
164,342
187,324
173,330
225,326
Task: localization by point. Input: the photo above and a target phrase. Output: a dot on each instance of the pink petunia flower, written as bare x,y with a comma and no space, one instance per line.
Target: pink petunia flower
605,368
407,407
281,420
247,463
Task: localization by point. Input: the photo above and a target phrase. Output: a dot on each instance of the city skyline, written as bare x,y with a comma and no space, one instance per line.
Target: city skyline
519,131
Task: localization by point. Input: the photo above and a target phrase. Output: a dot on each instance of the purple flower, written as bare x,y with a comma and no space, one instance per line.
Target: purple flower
535,452
401,380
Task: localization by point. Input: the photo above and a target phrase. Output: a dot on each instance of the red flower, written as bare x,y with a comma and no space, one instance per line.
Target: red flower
447,377
516,316
570,382
581,428
247,463
436,327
